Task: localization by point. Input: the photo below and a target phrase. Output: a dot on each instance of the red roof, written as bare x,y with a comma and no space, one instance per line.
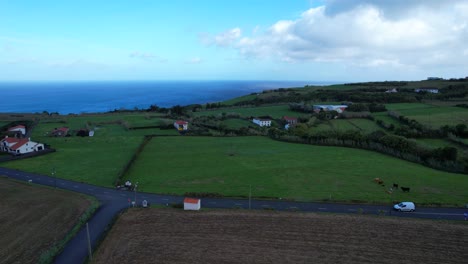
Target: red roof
191,200
16,127
10,140
20,143
63,129
289,118
180,122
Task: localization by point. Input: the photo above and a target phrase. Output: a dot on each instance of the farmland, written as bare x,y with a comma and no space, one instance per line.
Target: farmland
276,111
34,219
295,171
238,236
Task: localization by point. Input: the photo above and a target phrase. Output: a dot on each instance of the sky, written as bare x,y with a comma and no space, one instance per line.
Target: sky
321,40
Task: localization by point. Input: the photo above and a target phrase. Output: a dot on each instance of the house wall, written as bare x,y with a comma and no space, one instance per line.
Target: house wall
22,130
262,122
191,206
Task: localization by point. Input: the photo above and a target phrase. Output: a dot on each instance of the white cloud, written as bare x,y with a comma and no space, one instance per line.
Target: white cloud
364,33
195,60
224,39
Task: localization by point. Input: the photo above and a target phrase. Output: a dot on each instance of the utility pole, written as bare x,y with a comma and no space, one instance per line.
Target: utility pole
135,189
55,179
250,196
89,242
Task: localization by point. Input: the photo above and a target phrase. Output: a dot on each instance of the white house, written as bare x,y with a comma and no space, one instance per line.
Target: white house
192,204
181,125
262,122
394,90
18,128
19,145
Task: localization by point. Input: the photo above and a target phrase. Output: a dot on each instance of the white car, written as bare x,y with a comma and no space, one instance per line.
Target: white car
405,207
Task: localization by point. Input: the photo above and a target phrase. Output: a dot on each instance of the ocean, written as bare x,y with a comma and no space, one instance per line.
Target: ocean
103,96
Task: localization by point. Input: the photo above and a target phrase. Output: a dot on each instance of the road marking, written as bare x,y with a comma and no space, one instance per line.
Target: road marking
352,210
75,186
62,183
123,195
165,199
106,192
238,204
51,181
321,208
89,189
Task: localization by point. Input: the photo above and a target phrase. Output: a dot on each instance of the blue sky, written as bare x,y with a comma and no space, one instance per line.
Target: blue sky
329,40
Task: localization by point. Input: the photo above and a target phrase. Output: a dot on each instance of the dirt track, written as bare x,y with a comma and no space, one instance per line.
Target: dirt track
237,236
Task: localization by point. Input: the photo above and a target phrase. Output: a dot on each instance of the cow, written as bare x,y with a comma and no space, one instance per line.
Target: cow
405,189
395,185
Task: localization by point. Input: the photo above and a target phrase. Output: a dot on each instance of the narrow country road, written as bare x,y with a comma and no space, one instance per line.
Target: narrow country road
114,201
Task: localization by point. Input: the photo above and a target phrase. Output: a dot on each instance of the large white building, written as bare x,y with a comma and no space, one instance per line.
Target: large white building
262,122
337,108
18,146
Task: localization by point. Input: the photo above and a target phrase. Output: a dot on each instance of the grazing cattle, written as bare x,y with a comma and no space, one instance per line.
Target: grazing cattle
395,185
405,189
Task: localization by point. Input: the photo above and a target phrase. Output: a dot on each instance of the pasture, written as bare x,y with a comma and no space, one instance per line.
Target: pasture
240,236
96,160
276,111
293,171
430,115
34,219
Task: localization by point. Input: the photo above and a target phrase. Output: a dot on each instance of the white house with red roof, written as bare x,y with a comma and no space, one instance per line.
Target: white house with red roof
192,204
18,146
18,128
181,125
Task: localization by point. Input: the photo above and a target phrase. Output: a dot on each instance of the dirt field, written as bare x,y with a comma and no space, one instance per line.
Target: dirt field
238,236
32,218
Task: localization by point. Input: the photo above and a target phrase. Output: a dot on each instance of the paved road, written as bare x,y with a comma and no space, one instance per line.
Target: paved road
114,201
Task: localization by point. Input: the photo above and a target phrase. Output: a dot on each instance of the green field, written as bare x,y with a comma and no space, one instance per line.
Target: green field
276,169
276,111
433,116
96,160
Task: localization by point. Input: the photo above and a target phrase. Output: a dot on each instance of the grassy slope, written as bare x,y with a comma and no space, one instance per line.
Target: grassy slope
34,218
276,169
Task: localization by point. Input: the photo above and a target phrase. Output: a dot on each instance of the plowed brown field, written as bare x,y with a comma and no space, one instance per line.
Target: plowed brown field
34,218
237,236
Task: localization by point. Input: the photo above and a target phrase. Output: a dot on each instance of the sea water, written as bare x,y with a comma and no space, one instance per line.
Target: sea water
103,96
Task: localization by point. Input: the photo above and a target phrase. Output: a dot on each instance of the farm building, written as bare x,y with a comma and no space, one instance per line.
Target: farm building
60,132
181,125
18,128
427,90
338,108
192,204
19,145
394,90
262,122
290,120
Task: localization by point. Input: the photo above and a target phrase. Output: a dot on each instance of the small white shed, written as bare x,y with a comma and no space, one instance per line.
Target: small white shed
192,204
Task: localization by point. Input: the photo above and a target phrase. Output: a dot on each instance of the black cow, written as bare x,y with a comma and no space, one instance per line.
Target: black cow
395,185
405,189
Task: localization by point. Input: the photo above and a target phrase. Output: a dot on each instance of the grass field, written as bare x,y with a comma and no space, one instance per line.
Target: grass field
434,116
276,169
34,218
96,160
276,111
240,236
